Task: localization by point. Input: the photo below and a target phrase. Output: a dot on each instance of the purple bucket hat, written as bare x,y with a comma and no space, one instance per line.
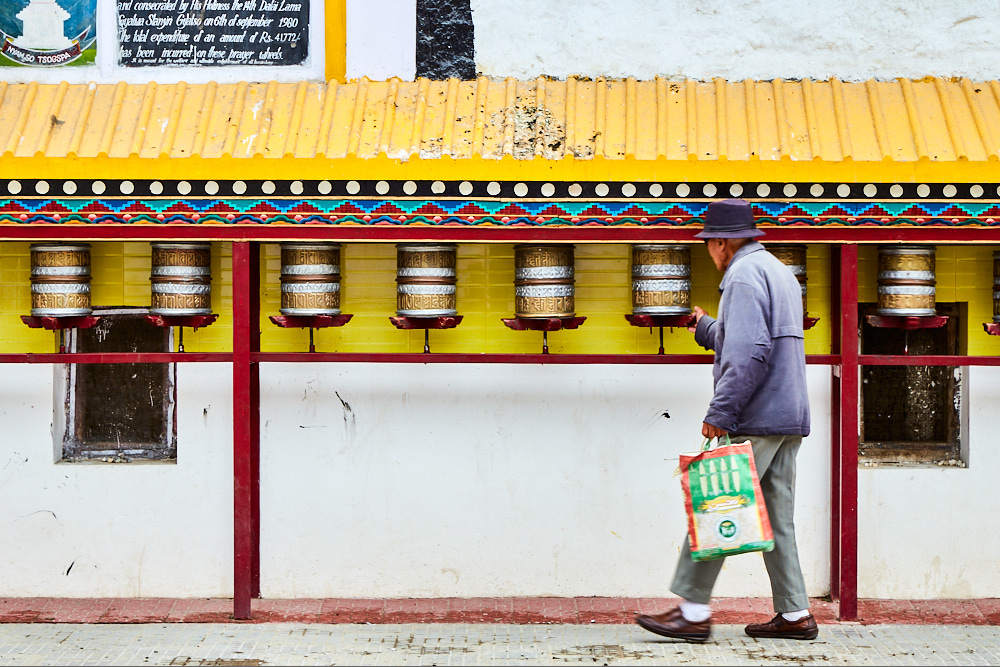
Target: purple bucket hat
729,219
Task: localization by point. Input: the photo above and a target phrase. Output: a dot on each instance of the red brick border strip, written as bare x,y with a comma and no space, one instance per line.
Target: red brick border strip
518,610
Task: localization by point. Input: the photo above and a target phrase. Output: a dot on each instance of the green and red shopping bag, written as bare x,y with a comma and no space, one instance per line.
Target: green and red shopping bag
725,507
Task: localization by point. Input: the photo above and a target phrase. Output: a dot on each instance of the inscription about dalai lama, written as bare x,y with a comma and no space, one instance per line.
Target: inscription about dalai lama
212,32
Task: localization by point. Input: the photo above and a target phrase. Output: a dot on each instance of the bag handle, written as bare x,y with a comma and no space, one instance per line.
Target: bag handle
705,446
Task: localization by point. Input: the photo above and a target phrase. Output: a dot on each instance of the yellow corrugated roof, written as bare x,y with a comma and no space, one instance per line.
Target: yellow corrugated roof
899,121
805,120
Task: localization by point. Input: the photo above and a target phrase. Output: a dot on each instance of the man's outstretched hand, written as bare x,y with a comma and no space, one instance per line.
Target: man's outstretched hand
698,314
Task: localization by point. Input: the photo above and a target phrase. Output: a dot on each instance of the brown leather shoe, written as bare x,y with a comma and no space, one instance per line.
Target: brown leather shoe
673,624
779,628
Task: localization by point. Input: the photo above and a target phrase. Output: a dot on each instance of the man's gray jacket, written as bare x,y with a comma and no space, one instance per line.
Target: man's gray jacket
760,364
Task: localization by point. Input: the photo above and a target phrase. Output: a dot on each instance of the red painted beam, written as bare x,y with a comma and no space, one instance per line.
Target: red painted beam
115,357
245,324
849,433
925,360
458,358
483,234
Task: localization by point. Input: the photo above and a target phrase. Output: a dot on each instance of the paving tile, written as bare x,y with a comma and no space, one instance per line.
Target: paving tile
544,610
479,610
416,610
338,610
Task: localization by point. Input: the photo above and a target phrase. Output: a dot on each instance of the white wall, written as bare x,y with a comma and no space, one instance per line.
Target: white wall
381,39
737,39
932,532
127,530
496,480
457,480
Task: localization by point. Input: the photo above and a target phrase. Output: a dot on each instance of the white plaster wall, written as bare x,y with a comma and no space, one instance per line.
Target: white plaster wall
496,480
931,532
454,480
381,39
127,530
737,39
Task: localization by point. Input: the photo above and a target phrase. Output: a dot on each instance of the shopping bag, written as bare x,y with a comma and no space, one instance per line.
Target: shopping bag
725,507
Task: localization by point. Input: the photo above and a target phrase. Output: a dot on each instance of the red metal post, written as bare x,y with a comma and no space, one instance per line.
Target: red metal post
835,399
849,433
254,315
246,426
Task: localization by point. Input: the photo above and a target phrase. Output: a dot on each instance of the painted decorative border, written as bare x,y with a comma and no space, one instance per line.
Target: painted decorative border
486,190
477,212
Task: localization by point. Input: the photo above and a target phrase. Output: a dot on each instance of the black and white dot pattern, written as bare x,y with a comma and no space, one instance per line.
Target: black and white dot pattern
537,190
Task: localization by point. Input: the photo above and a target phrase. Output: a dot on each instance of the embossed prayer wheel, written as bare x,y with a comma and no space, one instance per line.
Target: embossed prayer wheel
661,279
906,280
60,279
425,279
310,278
794,257
996,286
181,278
544,283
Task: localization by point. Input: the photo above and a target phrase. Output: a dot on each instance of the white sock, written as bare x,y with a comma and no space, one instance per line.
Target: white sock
792,616
695,612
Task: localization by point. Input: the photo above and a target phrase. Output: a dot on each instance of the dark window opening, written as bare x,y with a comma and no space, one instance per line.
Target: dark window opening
121,411
912,414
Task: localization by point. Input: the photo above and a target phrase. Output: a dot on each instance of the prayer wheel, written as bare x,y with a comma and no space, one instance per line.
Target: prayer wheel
661,279
794,257
544,284
425,280
181,278
996,286
906,280
60,280
310,278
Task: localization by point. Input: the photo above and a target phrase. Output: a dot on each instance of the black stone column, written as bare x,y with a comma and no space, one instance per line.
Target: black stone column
445,39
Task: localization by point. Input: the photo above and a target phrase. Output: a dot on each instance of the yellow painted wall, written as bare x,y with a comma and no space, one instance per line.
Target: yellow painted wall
336,39
485,295
964,273
120,277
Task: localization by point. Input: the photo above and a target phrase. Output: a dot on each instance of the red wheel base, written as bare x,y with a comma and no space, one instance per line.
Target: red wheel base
910,322
543,323
311,321
646,320
193,321
449,322
60,323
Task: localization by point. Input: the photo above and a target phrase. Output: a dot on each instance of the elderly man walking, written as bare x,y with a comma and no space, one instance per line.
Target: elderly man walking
760,395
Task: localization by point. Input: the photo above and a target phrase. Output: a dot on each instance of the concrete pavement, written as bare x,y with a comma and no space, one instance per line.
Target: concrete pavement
481,644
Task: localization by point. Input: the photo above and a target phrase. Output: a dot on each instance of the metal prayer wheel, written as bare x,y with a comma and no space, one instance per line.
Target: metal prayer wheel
310,278
996,286
661,279
60,279
544,284
425,279
794,257
906,280
181,278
